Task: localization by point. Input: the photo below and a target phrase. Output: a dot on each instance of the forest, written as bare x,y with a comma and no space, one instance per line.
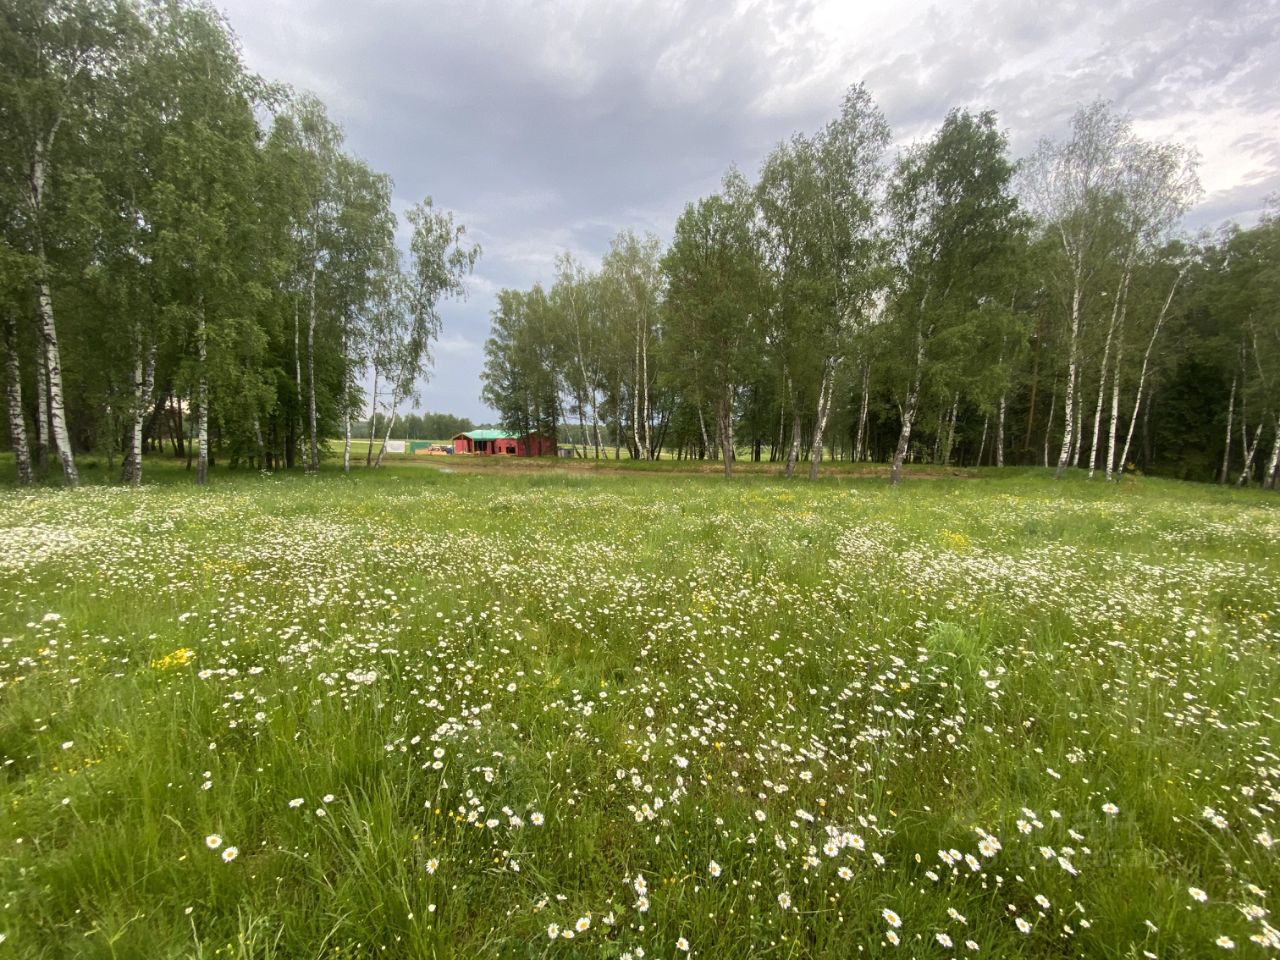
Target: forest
190,257
951,305
192,261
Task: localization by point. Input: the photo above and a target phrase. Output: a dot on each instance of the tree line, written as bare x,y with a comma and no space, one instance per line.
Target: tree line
950,305
188,254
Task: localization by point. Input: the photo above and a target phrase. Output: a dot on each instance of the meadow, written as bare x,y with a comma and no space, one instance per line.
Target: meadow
546,713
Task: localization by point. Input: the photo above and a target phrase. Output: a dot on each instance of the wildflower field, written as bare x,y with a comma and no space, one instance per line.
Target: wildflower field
415,713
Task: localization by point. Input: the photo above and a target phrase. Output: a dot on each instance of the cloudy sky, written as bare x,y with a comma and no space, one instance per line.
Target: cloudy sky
550,126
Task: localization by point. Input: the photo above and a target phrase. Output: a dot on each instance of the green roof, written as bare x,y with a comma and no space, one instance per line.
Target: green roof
490,435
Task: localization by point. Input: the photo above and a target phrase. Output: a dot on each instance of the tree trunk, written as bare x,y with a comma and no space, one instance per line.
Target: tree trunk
793,453
1031,406
17,419
53,365
1250,448
1064,456
346,439
1273,463
1117,323
1048,430
42,412
951,431
314,464
908,413
259,443
143,382
1115,412
824,411
202,463
391,420
373,417
982,444
904,435
1000,432
1231,409
1146,361
725,416
860,442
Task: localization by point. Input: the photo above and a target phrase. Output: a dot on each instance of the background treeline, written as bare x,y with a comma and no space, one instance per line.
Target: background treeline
188,257
949,306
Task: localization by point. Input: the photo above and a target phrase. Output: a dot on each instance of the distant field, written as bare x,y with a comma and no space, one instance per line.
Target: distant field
561,711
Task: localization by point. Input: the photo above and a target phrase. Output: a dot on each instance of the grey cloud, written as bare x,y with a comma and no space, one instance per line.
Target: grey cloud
552,125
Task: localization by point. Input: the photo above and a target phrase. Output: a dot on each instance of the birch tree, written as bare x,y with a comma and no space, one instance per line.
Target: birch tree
956,234
715,282
1069,186
820,201
439,263
52,53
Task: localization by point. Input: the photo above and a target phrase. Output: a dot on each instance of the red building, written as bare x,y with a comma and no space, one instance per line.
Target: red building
507,444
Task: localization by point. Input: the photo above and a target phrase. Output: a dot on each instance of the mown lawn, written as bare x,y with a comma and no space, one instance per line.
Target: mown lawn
548,713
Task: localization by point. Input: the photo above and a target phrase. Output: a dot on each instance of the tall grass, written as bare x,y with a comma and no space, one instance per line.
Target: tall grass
512,702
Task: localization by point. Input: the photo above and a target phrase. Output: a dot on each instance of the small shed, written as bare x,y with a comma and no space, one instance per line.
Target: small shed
500,442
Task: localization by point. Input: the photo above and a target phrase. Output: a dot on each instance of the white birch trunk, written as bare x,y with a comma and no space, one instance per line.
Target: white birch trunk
144,380
1068,432
909,412
793,453
862,414
202,460
1231,409
726,430
258,442
644,381
824,410
1250,449
53,365
391,422
42,412
314,464
1142,374
13,393
1114,422
951,431
1273,463
373,418
1000,431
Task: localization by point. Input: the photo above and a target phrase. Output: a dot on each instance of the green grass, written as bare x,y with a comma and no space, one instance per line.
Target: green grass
669,670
